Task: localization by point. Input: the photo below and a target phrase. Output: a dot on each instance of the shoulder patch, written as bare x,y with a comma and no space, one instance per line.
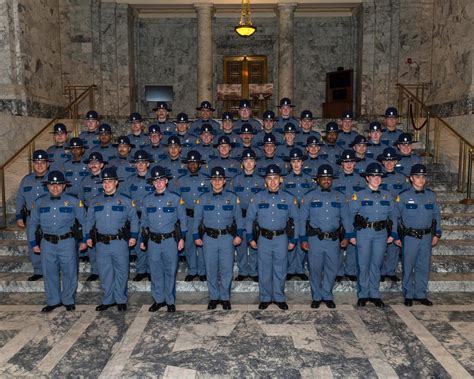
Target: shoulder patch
181,201
81,204
295,201
397,199
354,197
197,201
302,200
238,200
133,203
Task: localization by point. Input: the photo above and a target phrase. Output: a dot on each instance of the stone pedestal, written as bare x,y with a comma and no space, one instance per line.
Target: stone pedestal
204,61
285,49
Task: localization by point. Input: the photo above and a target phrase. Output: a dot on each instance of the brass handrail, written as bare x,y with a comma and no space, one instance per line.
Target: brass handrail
73,110
466,149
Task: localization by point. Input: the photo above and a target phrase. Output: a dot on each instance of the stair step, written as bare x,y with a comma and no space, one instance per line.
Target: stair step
458,232
439,282
452,196
455,207
460,219
454,248
459,263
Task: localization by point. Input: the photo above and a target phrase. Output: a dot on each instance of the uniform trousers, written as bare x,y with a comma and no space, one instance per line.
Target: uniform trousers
416,257
35,258
323,259
194,255
163,261
391,259
247,259
272,267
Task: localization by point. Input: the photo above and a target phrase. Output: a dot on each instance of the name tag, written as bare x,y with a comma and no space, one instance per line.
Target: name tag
305,185
227,207
385,202
366,203
411,206
290,185
169,209
45,209
397,186
316,204
117,208
209,207
429,206
133,188
65,210
69,173
282,206
255,190
264,205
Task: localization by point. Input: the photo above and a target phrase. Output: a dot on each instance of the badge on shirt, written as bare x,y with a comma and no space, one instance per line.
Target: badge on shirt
66,203
354,197
169,204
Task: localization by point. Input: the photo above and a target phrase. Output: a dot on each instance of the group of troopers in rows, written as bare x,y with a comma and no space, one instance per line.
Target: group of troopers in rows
272,196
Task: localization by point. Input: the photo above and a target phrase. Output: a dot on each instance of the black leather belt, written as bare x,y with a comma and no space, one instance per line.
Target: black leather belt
270,234
417,233
189,212
377,225
106,238
53,238
311,232
214,233
159,237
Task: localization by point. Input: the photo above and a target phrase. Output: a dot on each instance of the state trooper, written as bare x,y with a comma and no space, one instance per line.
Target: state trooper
223,158
346,134
60,217
273,210
204,143
247,141
57,152
164,227
205,117
186,138
75,169
105,147
112,219
31,187
270,156
219,217
122,158
421,224
359,145
324,217
246,185
245,116
391,132
162,111
297,183
268,127
375,147
289,140
407,157
136,135
89,136
312,148
330,150
227,128
306,125
190,186
394,182
374,214
348,182
137,187
285,109
173,158
154,148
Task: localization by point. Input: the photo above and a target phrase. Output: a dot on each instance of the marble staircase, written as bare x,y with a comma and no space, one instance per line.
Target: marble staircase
452,263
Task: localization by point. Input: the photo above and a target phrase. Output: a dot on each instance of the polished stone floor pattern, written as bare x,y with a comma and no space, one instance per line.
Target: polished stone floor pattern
195,343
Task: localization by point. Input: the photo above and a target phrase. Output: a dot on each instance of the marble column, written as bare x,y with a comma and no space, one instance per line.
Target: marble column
285,49
204,43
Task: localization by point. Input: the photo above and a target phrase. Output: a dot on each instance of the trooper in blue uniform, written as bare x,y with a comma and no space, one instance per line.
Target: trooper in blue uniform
375,147
105,147
391,132
407,157
330,150
245,116
123,156
190,186
162,111
223,157
272,210
227,128
205,117
204,144
324,214
31,187
297,183
285,109
246,185
56,213
57,153
268,127
181,131
270,156
75,169
163,228
312,148
155,149
137,187
348,182
173,158
290,131
109,214
306,125
247,140
219,217
136,137
394,182
374,213
359,145
89,135
346,134
421,223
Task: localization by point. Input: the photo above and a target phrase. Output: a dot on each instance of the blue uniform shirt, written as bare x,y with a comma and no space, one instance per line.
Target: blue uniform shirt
389,137
246,186
59,156
345,139
190,187
160,213
349,183
123,165
108,151
406,162
137,188
298,185
90,188
31,187
75,172
395,183
90,139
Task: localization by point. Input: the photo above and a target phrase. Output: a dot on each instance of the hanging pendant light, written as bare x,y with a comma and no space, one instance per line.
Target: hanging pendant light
245,27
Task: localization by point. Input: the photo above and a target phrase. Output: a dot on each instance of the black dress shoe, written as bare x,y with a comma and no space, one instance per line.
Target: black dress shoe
122,307
240,278
189,278
330,304
226,305
352,278
202,278
408,302
315,304
212,304
362,302
282,305
182,258
92,278
70,307
171,308
140,277
104,307
50,308
133,258
424,301
393,278
35,277
148,277
255,278
382,278
302,277
264,305
378,302
339,278
156,306
289,276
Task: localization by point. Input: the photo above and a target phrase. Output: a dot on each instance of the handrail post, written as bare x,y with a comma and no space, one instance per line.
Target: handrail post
461,166
436,142
91,97
468,199
427,152
4,199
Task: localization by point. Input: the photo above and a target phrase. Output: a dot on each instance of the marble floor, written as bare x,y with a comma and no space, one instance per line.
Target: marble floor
397,341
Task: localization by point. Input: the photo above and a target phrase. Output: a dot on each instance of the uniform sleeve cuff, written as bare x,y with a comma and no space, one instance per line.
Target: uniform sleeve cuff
134,235
294,241
438,233
303,238
184,233
18,217
249,237
395,236
350,235
196,236
87,237
240,232
33,244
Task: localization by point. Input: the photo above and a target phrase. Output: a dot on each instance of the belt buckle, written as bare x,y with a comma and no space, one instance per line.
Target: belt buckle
327,236
55,239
